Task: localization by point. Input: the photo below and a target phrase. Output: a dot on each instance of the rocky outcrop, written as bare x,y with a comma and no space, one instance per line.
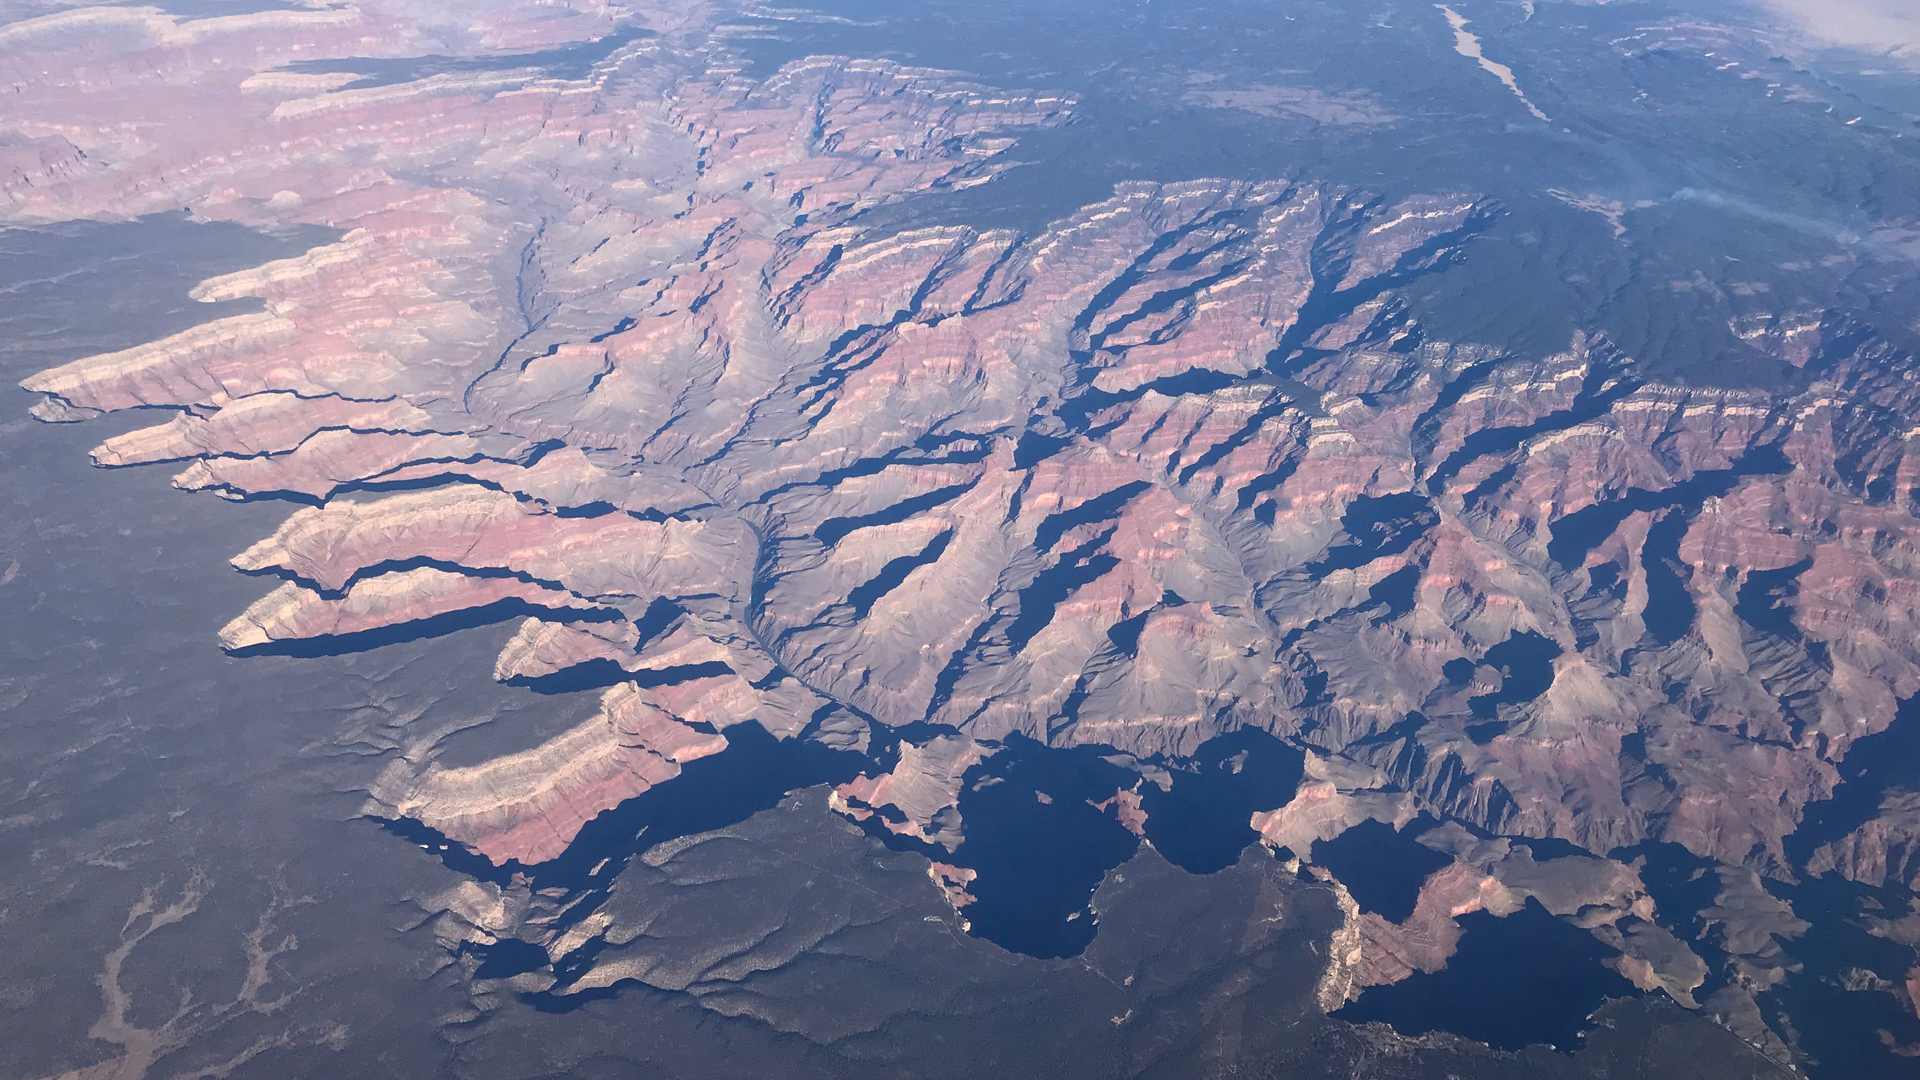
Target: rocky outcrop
920,797
1884,850
1334,795
292,613
1499,877
526,807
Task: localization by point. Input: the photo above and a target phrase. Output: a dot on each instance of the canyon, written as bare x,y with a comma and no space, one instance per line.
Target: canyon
618,357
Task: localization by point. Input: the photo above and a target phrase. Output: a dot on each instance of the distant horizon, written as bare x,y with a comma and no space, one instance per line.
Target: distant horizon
1884,27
